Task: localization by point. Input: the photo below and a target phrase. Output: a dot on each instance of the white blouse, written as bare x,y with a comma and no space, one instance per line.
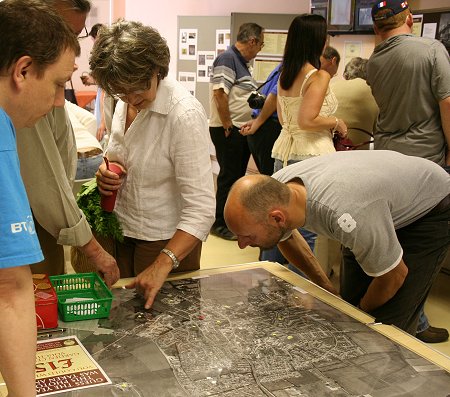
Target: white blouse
169,181
297,144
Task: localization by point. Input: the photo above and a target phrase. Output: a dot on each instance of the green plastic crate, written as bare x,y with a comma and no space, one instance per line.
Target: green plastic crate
82,296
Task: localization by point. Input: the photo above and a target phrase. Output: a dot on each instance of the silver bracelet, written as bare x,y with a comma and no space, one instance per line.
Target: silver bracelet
171,255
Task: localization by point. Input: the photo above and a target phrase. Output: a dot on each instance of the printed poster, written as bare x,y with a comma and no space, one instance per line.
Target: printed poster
63,364
204,65
222,40
444,30
274,43
429,30
417,25
188,80
352,49
188,44
262,67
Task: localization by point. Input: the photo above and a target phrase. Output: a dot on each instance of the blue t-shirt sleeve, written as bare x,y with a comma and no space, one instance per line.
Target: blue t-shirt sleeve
19,244
271,87
274,80
274,89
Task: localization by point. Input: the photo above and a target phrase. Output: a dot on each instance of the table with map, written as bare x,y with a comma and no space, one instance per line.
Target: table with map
253,330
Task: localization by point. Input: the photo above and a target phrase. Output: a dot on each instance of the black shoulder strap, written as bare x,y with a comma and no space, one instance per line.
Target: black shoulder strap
363,143
269,79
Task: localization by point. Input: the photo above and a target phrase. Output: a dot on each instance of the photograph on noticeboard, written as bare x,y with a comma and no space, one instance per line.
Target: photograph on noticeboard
444,30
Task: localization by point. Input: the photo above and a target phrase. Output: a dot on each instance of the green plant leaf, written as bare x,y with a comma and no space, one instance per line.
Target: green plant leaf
103,223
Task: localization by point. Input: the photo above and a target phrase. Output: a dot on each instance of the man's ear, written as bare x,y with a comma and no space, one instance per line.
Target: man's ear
277,217
375,30
409,20
21,69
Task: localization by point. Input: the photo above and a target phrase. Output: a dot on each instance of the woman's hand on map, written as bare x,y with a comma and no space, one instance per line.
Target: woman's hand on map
149,282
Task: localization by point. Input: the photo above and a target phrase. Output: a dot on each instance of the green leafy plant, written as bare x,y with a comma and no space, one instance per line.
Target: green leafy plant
103,223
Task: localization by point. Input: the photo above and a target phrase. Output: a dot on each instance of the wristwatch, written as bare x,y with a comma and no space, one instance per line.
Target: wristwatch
171,255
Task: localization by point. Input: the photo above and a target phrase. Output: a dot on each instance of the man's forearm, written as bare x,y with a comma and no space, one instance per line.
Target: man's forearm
383,288
92,249
105,264
269,108
376,295
17,331
444,108
223,109
296,250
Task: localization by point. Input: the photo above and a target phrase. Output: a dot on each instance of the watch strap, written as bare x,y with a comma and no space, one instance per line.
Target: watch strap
171,255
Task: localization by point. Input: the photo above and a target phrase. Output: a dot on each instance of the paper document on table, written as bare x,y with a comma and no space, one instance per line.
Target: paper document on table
63,364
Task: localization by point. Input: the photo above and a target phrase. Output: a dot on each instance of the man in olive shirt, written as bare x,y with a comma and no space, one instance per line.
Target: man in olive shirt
48,160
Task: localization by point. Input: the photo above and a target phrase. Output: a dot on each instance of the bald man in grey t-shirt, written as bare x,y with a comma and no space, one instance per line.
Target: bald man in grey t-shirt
390,210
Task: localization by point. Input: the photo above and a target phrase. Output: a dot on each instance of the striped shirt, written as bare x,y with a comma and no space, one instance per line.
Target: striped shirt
232,73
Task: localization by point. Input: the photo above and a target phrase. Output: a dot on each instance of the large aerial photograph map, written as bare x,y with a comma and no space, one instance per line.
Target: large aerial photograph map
247,333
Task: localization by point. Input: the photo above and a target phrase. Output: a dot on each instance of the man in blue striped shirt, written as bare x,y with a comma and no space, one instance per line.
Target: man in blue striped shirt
230,86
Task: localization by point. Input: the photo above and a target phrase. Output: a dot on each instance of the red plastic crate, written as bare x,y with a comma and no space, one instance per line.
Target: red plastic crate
46,302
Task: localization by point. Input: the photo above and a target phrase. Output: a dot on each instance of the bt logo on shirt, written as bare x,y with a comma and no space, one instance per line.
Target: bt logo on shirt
25,226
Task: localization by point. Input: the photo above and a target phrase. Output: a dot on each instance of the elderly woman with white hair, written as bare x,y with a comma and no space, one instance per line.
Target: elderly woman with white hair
160,138
357,105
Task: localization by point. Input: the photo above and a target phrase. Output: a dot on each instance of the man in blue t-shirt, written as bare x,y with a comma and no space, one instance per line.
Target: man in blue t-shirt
37,59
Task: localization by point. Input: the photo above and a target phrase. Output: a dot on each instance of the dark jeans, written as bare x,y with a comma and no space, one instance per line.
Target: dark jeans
425,244
261,144
232,154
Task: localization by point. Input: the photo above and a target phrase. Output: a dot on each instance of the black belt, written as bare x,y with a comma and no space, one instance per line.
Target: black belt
441,206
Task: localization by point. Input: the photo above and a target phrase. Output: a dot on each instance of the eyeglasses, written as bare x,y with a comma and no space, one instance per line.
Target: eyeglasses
84,33
137,92
120,96
258,41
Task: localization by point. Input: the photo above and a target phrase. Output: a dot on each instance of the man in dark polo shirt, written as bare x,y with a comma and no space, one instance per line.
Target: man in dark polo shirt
230,86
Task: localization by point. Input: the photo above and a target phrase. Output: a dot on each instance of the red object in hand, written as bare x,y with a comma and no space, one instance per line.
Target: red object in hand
108,202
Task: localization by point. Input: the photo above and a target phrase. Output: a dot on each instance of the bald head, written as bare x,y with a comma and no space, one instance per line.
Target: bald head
256,211
255,195
74,12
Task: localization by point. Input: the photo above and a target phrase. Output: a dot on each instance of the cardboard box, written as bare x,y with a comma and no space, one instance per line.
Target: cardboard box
46,302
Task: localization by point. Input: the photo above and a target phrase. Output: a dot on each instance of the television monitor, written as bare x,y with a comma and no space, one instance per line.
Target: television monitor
341,15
